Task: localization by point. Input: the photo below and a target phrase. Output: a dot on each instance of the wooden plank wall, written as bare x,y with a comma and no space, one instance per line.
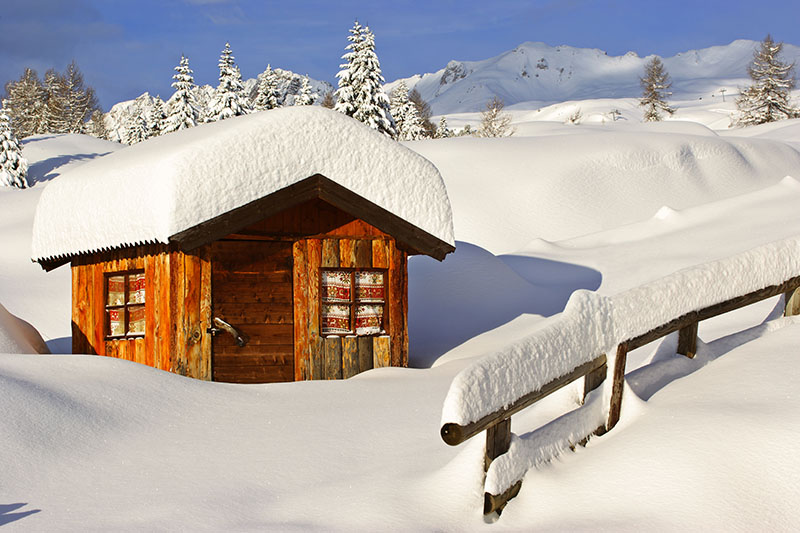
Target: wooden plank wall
343,357
252,282
175,337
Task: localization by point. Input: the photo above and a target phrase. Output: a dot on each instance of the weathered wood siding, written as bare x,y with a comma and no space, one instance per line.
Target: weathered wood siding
337,357
263,280
177,308
252,291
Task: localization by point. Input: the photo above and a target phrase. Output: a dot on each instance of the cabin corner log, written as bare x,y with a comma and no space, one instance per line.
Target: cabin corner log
454,434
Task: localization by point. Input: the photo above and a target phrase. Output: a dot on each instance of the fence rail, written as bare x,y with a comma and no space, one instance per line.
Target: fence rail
497,424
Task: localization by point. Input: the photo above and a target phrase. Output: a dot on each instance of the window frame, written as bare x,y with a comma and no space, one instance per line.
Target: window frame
125,306
354,302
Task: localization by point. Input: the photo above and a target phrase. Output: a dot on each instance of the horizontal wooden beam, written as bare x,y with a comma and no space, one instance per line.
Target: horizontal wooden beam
496,502
712,311
454,434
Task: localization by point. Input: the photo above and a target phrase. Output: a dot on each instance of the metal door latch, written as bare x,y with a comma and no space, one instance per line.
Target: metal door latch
240,338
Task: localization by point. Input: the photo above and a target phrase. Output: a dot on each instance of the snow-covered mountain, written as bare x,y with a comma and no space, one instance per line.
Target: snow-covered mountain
547,74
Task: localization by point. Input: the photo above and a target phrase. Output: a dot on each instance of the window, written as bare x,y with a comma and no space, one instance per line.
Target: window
125,304
353,301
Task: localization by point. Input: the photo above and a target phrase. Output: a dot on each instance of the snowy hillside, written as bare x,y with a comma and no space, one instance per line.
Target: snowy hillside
99,444
536,72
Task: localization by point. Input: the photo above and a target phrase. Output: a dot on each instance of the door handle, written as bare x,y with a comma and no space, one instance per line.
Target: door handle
240,338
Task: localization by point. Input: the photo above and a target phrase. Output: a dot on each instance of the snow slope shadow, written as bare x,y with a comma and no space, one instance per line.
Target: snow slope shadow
43,170
474,291
7,516
668,366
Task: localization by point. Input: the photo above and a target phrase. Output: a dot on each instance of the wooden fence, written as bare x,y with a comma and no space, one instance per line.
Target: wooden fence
498,423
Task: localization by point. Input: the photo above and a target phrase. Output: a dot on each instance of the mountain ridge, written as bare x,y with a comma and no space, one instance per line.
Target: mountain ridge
535,71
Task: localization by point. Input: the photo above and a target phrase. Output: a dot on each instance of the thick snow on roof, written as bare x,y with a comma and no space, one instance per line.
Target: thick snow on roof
155,189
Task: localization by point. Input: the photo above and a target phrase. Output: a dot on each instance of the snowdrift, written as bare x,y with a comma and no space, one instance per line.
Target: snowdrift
18,336
596,178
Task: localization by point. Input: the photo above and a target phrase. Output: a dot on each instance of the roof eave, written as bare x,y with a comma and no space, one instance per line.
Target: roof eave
313,187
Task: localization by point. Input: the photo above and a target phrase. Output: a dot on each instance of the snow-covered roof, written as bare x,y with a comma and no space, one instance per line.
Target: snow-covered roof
156,189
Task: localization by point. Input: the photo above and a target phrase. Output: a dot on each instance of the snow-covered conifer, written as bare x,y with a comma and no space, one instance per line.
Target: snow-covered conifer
229,98
136,128
407,122
442,131
267,92
26,104
304,96
494,123
96,127
655,90
767,100
328,101
360,94
13,167
69,102
155,117
423,110
181,109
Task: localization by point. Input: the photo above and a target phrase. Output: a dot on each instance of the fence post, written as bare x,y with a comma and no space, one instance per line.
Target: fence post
791,301
617,386
498,441
594,379
687,340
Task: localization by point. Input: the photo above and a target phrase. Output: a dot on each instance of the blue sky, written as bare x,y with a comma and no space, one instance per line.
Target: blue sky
127,47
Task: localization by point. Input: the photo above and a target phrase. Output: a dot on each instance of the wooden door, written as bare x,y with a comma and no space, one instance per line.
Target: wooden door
251,284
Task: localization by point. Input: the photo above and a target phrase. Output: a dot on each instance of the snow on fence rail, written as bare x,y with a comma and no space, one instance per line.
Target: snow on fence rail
573,345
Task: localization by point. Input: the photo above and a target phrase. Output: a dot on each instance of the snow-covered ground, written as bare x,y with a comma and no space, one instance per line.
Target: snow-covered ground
97,444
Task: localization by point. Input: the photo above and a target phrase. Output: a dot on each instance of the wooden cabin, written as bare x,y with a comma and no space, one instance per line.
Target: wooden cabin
309,281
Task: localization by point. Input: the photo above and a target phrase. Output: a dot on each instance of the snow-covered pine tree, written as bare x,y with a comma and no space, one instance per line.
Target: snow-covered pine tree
345,95
407,122
53,110
494,123
79,101
182,111
13,167
304,96
767,100
96,127
136,128
655,90
156,117
26,104
229,98
69,102
442,131
360,94
267,92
